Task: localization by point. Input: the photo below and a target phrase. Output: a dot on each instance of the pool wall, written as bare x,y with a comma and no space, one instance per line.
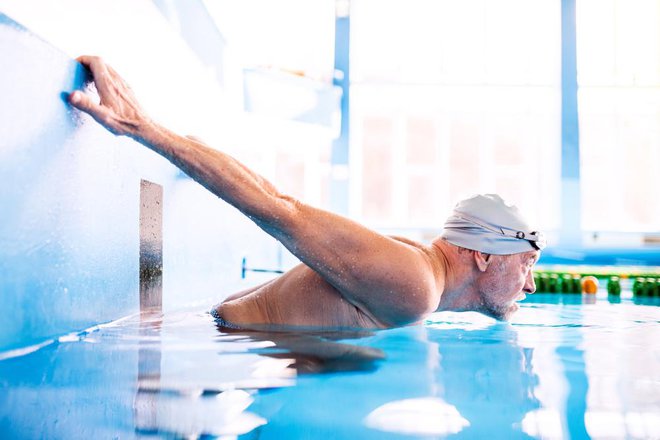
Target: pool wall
69,209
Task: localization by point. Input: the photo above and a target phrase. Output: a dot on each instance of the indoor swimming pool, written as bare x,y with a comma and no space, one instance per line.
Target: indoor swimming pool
387,113
566,366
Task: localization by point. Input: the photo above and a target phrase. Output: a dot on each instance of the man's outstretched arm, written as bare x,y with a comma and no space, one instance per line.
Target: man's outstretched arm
391,281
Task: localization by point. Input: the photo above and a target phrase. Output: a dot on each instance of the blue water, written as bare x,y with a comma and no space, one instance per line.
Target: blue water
565,367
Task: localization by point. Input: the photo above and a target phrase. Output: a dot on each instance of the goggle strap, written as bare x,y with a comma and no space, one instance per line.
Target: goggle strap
530,236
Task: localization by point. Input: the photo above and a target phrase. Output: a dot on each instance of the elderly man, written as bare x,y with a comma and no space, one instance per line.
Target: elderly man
350,276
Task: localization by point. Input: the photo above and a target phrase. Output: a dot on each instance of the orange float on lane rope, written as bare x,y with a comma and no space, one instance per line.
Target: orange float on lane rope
590,285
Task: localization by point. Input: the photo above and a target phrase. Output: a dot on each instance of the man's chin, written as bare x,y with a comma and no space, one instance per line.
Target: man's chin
513,308
501,313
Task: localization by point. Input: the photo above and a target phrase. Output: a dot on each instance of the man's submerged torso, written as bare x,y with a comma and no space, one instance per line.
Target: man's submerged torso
300,297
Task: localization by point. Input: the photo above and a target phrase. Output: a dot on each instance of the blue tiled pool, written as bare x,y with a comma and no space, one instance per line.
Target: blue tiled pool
565,367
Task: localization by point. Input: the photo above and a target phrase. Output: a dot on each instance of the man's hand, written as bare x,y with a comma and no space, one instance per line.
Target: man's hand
118,110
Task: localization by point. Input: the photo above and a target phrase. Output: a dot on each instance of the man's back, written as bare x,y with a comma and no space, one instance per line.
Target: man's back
300,297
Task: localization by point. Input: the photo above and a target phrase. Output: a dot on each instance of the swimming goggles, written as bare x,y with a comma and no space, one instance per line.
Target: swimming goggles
536,238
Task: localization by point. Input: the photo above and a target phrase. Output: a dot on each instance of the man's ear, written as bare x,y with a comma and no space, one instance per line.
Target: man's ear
482,260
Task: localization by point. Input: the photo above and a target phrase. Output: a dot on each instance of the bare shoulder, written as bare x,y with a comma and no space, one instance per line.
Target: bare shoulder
425,249
408,241
436,260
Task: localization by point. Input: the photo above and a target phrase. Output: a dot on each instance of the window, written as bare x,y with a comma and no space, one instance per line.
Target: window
618,56
453,98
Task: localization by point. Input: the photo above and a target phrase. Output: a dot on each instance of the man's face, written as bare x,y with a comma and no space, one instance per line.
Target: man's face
506,280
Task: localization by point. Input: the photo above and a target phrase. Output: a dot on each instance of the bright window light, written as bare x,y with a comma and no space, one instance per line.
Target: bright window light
618,45
453,98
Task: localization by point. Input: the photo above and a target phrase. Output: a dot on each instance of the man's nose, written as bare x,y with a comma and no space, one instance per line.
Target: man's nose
530,285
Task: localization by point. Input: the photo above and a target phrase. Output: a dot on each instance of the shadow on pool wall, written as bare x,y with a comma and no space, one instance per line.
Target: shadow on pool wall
69,198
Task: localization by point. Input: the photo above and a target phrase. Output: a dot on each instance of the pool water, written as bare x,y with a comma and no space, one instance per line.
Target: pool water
564,367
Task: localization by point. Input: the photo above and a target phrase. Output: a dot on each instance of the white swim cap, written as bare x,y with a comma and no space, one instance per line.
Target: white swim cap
487,224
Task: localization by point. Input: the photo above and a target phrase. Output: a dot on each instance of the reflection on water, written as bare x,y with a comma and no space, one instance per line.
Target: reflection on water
482,385
557,371
572,360
318,352
182,411
493,385
149,360
420,416
188,404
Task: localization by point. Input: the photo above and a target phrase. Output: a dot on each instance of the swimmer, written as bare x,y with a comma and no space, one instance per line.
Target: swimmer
349,276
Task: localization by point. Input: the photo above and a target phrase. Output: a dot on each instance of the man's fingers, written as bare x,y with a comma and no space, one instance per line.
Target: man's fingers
117,111
89,61
101,73
83,102
85,60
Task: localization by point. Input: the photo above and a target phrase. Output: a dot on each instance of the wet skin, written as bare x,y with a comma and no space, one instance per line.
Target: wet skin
302,297
350,276
510,279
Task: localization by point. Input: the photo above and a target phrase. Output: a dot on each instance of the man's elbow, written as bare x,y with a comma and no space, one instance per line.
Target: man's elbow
278,215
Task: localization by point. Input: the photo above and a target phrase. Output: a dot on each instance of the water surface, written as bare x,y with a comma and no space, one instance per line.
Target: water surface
565,367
